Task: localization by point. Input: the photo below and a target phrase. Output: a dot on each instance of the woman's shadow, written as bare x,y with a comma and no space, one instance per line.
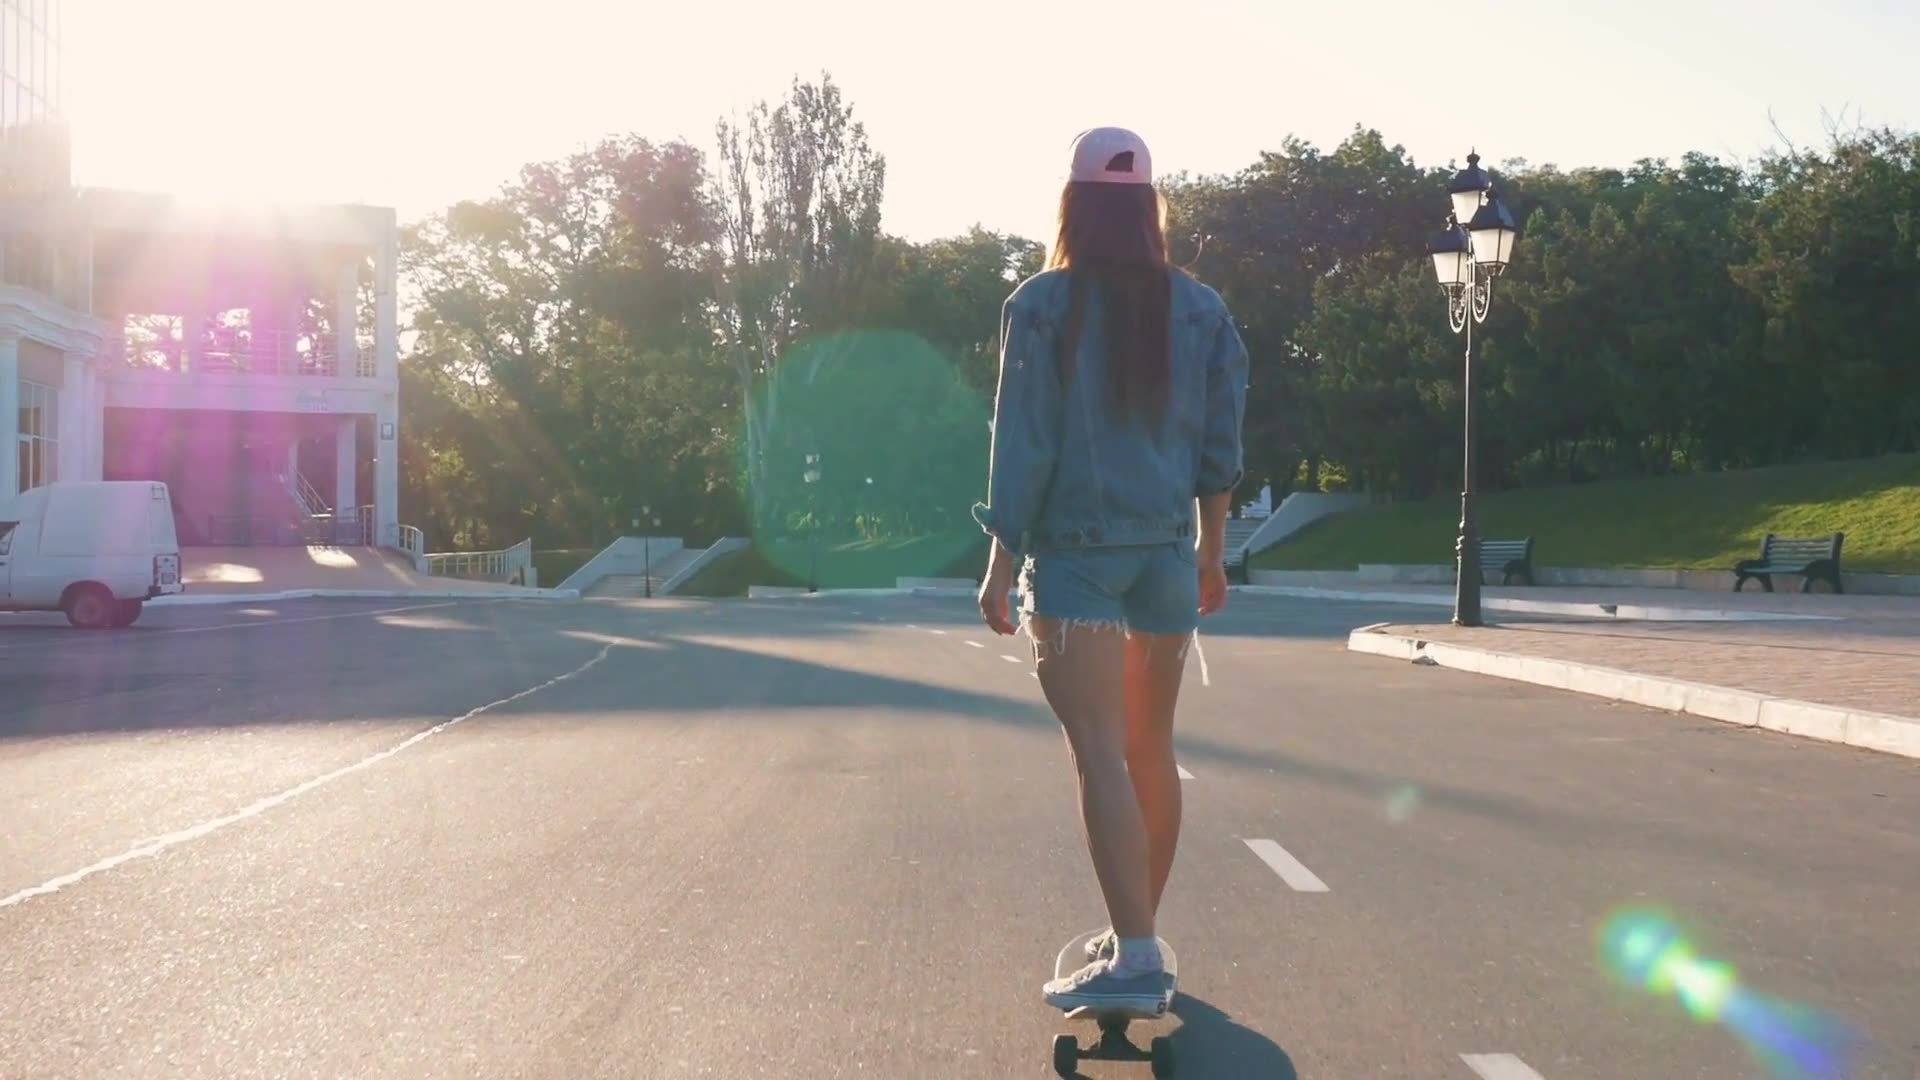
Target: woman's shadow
1208,1044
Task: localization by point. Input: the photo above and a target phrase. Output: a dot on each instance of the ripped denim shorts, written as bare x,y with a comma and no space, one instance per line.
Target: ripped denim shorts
1139,589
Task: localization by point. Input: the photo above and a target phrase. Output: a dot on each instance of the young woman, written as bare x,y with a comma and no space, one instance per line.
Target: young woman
1118,414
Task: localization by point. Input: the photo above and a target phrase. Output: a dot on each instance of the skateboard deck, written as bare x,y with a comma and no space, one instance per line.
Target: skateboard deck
1113,1044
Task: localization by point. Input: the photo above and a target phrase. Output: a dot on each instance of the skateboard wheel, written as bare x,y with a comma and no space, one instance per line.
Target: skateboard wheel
1066,1055
1162,1053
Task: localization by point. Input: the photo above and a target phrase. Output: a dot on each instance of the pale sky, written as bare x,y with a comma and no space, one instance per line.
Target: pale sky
417,103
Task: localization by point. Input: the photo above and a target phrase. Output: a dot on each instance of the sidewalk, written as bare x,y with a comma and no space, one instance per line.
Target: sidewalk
1852,676
1626,603
1868,665
216,575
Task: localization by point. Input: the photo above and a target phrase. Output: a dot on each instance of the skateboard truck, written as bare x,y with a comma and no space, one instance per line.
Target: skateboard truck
1113,1045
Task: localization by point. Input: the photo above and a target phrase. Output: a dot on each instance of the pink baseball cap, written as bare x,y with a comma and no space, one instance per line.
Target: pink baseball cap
1111,155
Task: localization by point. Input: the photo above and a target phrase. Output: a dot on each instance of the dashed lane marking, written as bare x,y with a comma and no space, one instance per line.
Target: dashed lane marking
1500,1067
1291,870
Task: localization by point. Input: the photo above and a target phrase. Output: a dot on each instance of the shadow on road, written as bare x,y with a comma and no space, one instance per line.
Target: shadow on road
428,665
1210,1044
331,662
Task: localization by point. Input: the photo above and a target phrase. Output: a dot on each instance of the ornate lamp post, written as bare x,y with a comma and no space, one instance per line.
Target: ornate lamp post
1466,260
812,477
648,517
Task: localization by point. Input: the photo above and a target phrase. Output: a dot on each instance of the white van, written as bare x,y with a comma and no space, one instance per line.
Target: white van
96,550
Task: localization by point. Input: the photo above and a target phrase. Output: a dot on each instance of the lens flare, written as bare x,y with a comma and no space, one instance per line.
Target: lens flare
1402,801
1644,949
872,452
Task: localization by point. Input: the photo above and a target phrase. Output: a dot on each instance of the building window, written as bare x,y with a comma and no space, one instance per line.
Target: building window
39,434
29,61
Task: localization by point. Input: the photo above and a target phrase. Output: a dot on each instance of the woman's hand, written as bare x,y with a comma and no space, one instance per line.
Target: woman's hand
1213,578
993,591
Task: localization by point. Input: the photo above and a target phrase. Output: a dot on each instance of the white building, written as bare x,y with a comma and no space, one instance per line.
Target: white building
247,357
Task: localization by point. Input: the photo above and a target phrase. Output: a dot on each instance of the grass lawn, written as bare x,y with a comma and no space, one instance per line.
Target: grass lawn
554,564
863,564
1703,521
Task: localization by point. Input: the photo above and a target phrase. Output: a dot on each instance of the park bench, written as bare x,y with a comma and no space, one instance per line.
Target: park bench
1811,559
1507,558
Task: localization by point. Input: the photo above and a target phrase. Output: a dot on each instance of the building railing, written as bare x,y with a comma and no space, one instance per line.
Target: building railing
304,493
412,541
507,565
285,352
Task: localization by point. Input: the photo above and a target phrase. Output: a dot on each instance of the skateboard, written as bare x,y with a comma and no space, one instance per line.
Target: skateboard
1113,1044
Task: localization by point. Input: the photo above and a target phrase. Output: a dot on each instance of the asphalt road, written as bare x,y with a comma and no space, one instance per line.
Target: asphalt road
835,837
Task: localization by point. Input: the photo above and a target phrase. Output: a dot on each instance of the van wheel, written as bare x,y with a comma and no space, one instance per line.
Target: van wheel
90,607
126,612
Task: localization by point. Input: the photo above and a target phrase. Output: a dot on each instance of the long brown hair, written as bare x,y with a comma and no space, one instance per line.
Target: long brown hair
1114,236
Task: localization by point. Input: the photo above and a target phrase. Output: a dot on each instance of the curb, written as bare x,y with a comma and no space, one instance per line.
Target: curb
206,599
788,592
1882,732
1648,613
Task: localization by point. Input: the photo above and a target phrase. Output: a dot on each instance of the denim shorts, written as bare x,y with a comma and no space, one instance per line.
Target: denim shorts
1142,589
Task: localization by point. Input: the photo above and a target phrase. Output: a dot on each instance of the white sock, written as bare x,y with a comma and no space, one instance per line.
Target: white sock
1136,956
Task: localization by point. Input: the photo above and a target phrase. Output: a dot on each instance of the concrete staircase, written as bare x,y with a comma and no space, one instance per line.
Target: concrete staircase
630,586
1239,531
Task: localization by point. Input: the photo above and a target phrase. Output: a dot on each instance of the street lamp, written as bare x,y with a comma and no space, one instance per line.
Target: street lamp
646,548
1466,260
812,477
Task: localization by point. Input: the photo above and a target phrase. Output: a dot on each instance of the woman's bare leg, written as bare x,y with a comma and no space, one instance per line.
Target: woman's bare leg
1154,667
1082,672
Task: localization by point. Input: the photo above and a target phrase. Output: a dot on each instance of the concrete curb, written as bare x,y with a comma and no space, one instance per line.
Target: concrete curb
1643,612
788,592
1828,723
205,599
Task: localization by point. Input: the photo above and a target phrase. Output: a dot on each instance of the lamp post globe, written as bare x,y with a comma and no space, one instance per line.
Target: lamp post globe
1468,187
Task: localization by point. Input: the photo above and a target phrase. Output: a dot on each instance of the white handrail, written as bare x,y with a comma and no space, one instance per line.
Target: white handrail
278,352
304,493
414,543
507,565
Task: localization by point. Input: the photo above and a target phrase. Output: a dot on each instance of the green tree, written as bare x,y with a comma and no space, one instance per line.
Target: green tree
1836,269
797,193
539,309
1266,238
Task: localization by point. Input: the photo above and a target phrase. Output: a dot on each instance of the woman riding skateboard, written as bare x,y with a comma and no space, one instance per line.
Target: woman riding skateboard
1121,394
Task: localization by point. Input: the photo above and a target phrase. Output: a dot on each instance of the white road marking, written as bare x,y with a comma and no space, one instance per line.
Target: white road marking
1184,774
261,806
1009,658
1290,869
1499,1067
976,645
940,632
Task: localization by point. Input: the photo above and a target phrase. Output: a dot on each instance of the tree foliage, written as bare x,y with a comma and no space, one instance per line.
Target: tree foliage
642,324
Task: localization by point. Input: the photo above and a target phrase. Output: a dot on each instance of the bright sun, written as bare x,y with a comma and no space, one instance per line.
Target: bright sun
221,99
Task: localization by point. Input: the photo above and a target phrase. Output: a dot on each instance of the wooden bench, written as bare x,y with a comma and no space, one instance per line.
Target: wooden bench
1507,558
1812,559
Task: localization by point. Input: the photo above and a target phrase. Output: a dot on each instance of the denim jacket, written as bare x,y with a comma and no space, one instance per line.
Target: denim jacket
1065,472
